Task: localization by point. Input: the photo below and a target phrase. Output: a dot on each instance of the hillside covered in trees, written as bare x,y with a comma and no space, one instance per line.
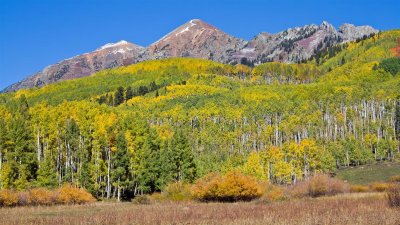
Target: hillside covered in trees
132,130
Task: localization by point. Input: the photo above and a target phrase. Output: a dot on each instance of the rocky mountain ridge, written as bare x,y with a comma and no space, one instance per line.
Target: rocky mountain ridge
198,39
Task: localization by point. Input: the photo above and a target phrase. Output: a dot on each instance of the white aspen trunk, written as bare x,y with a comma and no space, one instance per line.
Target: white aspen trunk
108,173
39,150
1,164
119,192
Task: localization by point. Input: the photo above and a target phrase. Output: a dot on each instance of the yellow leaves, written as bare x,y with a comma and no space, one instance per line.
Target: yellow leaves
104,123
258,95
242,69
188,90
274,154
165,131
283,172
340,118
190,65
135,100
371,140
254,167
22,92
130,141
4,113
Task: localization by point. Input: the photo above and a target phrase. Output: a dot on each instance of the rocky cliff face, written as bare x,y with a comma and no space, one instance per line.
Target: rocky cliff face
198,39
350,32
299,43
195,39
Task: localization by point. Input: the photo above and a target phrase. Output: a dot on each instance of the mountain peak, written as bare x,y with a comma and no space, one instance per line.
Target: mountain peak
197,39
116,44
191,26
327,26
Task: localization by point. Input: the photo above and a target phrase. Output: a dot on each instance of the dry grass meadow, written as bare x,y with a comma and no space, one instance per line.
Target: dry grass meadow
356,208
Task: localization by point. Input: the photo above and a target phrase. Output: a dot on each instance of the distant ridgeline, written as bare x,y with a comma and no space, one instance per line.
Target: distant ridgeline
133,129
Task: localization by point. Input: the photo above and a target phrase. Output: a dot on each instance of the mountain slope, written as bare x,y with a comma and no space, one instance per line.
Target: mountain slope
108,56
198,39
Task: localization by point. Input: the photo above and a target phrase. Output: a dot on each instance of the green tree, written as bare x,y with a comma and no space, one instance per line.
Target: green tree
183,158
46,174
119,96
120,173
129,93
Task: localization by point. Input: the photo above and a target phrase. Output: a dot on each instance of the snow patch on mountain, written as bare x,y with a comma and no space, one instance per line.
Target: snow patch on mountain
110,45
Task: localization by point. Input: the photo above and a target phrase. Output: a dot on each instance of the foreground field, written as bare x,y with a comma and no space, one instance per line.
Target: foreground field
366,208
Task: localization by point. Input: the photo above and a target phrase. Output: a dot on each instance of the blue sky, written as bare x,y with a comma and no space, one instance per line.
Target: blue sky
37,33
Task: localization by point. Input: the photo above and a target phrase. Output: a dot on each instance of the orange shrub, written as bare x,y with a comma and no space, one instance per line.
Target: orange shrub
8,198
68,194
393,195
233,186
379,187
41,196
359,188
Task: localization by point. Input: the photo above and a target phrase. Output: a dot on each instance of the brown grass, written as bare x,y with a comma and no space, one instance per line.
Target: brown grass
393,195
316,186
358,208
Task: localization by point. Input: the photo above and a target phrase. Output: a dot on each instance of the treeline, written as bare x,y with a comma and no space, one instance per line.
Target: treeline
116,153
90,146
282,73
122,95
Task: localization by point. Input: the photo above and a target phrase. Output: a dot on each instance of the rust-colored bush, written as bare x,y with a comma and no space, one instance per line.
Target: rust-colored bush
273,193
68,194
318,185
177,191
393,195
298,190
233,186
42,196
379,187
142,200
359,188
8,198
23,198
323,184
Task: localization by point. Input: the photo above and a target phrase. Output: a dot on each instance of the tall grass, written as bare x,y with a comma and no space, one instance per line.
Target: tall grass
355,209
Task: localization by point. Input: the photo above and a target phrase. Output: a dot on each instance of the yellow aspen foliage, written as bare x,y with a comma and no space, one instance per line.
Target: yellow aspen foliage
254,167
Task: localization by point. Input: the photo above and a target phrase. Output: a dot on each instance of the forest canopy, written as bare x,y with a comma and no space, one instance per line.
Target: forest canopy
132,130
